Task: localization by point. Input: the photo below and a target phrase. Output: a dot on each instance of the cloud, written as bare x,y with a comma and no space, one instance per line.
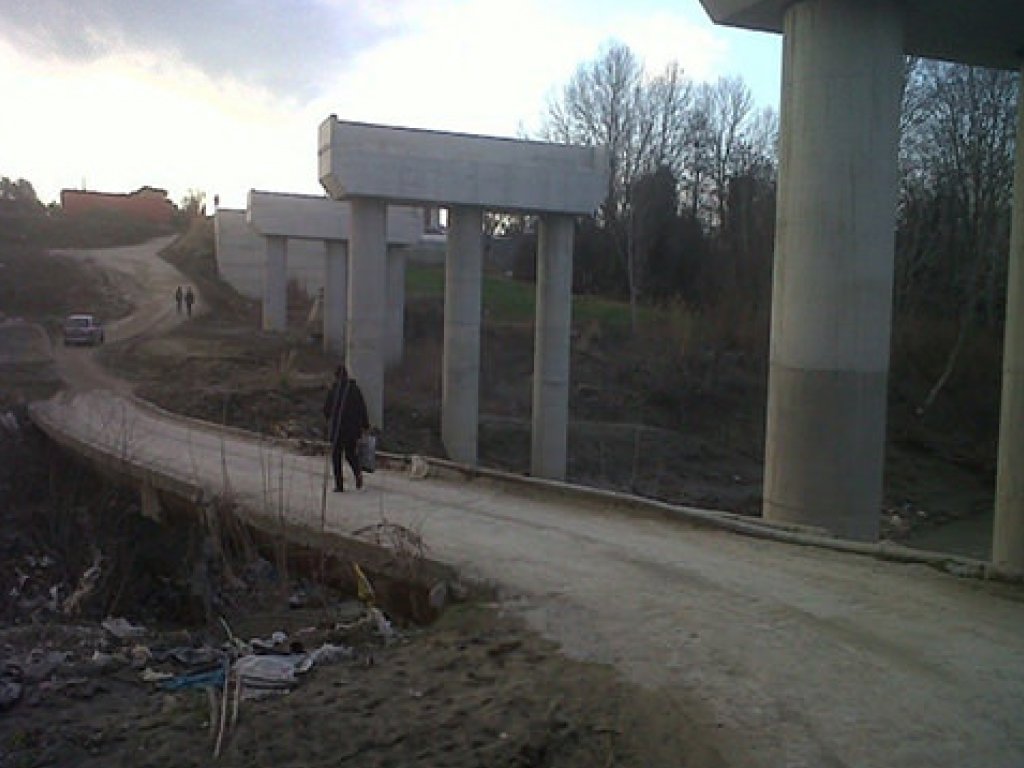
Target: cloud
226,95
283,45
120,122
490,67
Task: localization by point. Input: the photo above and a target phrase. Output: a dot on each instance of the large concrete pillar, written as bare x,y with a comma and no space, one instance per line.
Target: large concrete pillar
551,347
396,305
460,383
1008,529
335,297
367,299
832,293
275,285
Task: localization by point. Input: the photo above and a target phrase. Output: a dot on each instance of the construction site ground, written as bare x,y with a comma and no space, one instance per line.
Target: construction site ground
477,688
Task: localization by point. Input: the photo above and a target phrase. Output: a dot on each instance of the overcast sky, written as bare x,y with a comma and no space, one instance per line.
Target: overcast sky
226,95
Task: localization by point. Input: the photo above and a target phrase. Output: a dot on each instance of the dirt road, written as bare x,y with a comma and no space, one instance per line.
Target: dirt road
799,657
785,655
148,282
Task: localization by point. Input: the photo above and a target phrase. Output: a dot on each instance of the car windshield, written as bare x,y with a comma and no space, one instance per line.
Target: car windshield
77,322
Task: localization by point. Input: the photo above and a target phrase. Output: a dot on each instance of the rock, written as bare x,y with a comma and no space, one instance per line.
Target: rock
42,666
10,694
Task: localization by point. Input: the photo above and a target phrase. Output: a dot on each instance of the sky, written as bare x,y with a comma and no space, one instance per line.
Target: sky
224,96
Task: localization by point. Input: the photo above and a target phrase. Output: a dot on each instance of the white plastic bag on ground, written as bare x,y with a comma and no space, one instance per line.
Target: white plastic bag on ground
367,453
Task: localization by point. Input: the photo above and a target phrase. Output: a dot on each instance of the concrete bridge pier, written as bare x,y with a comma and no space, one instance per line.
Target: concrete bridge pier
468,175
335,297
275,285
367,299
549,447
460,382
396,306
832,292
1008,528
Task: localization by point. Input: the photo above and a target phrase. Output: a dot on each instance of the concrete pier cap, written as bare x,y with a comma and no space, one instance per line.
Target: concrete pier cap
280,218
314,217
985,33
414,166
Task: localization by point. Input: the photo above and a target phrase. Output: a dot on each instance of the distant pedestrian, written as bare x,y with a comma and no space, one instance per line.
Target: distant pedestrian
178,297
189,300
347,420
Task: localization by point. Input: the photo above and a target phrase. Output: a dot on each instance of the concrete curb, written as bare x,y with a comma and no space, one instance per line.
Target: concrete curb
608,500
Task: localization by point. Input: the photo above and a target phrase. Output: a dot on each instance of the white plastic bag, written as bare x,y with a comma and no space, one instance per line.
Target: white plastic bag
367,453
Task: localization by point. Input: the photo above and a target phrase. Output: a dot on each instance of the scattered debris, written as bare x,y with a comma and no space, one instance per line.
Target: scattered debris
419,468
122,629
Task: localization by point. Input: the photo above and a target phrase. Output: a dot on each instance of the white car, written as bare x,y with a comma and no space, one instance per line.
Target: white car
82,329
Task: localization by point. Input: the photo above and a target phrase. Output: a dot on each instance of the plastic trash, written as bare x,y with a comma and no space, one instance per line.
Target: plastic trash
266,675
418,467
194,657
212,679
153,676
383,626
325,654
122,629
268,644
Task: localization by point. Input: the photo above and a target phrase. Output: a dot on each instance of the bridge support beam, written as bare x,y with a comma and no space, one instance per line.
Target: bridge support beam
335,297
832,291
396,306
367,299
549,437
275,285
1008,528
460,384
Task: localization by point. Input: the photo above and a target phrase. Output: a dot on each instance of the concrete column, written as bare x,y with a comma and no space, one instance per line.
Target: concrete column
460,382
1008,528
551,347
396,306
275,285
832,292
367,298
335,297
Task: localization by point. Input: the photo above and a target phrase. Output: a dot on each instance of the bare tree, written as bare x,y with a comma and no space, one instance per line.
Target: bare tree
956,153
657,129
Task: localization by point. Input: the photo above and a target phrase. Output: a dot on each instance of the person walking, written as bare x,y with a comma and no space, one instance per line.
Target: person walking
347,420
178,296
189,300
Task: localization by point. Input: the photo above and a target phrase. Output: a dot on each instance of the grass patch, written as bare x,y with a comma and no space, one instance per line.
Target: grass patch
506,300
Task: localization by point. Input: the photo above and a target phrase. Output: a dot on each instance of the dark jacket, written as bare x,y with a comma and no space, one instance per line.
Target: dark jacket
345,410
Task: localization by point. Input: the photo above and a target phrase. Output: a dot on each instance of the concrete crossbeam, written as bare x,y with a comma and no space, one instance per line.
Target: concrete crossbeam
987,33
405,165
311,217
